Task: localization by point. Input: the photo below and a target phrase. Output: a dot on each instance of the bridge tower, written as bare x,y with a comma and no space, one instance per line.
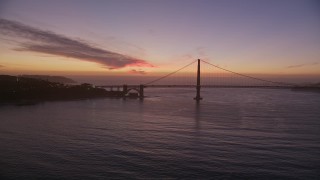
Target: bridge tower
198,97
141,91
124,89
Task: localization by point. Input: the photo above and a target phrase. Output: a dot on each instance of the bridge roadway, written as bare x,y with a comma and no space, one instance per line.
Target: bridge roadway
194,86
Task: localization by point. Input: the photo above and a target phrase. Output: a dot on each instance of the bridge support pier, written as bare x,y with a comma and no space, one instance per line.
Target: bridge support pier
198,97
141,91
124,90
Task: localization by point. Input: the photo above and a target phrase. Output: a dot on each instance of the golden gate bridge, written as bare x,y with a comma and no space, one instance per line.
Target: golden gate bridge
214,77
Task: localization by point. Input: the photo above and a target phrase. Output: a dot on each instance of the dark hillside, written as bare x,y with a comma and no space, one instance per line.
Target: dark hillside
19,88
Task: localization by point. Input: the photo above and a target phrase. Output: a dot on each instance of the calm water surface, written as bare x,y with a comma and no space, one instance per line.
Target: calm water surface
231,134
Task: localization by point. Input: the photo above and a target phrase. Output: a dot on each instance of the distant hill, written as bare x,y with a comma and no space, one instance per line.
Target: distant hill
311,85
315,87
57,79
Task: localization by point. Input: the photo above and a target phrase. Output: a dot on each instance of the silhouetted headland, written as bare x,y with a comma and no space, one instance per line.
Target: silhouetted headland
23,90
58,79
310,87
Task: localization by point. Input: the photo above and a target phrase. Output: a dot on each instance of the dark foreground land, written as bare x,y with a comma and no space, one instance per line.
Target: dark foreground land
27,90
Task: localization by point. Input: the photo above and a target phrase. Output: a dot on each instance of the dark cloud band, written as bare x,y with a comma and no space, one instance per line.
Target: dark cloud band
302,65
134,71
51,43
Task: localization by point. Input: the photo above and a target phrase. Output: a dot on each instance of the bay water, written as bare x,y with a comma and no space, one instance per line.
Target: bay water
231,134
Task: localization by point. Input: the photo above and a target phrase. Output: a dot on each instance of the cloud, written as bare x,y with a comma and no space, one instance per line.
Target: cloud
302,65
137,71
1,66
47,42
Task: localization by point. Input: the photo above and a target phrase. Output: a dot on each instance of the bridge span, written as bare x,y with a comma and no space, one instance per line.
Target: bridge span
139,89
112,87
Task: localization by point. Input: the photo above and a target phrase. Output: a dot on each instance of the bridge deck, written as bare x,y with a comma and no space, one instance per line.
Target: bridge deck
194,86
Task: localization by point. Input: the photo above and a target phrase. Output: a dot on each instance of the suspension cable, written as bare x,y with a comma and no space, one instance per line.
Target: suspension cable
274,82
170,73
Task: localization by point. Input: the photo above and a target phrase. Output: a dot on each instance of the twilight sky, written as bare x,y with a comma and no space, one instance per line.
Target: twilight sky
148,36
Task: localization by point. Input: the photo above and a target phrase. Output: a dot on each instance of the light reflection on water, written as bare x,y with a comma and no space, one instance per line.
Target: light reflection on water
232,133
